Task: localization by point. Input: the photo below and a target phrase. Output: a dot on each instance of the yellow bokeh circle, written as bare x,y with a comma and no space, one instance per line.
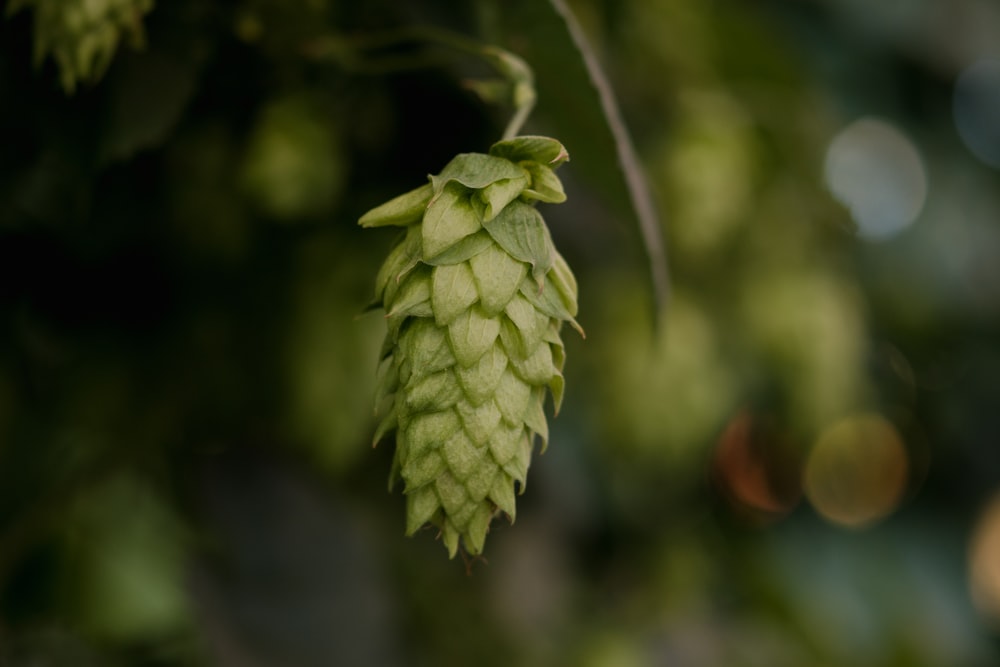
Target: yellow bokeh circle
857,471
984,562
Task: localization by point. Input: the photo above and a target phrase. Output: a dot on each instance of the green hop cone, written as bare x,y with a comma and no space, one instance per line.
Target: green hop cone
83,35
475,296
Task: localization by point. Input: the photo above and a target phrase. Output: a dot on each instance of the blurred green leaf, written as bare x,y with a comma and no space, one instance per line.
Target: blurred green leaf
400,211
149,93
127,562
294,166
83,35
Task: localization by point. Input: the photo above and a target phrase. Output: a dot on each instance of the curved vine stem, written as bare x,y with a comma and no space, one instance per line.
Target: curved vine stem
650,226
516,75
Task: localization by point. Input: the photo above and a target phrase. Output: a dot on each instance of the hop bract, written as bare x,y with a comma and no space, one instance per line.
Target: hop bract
475,295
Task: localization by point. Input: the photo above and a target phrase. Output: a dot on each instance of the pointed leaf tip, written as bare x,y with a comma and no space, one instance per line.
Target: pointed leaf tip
520,230
400,211
543,150
450,218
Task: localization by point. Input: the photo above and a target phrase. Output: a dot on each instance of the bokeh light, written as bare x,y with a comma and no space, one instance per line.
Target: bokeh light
984,562
676,370
293,166
877,173
808,324
976,107
857,471
711,163
755,468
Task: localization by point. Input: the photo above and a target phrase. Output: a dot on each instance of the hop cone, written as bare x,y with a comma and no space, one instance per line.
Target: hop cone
82,35
475,295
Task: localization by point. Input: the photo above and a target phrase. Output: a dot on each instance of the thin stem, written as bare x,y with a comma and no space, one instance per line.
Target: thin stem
514,70
517,121
522,81
642,199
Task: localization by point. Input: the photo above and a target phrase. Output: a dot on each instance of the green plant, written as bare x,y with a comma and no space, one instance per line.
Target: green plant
82,36
475,295
474,292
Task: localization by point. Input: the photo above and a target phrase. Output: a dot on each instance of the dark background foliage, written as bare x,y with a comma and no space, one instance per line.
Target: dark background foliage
793,466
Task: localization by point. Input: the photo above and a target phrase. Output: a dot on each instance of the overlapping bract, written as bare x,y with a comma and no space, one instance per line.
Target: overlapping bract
475,295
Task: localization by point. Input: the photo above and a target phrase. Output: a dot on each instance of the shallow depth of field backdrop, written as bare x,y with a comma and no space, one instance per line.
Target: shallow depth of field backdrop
798,466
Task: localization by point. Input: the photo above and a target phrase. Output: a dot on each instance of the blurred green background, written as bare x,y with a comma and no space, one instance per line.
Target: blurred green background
798,466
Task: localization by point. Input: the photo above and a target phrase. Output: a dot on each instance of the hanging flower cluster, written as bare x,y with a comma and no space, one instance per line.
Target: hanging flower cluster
475,296
83,35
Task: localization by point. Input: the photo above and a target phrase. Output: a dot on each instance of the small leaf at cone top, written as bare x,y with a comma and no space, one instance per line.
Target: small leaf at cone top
475,171
453,291
545,185
520,230
450,217
497,195
400,211
498,277
544,150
